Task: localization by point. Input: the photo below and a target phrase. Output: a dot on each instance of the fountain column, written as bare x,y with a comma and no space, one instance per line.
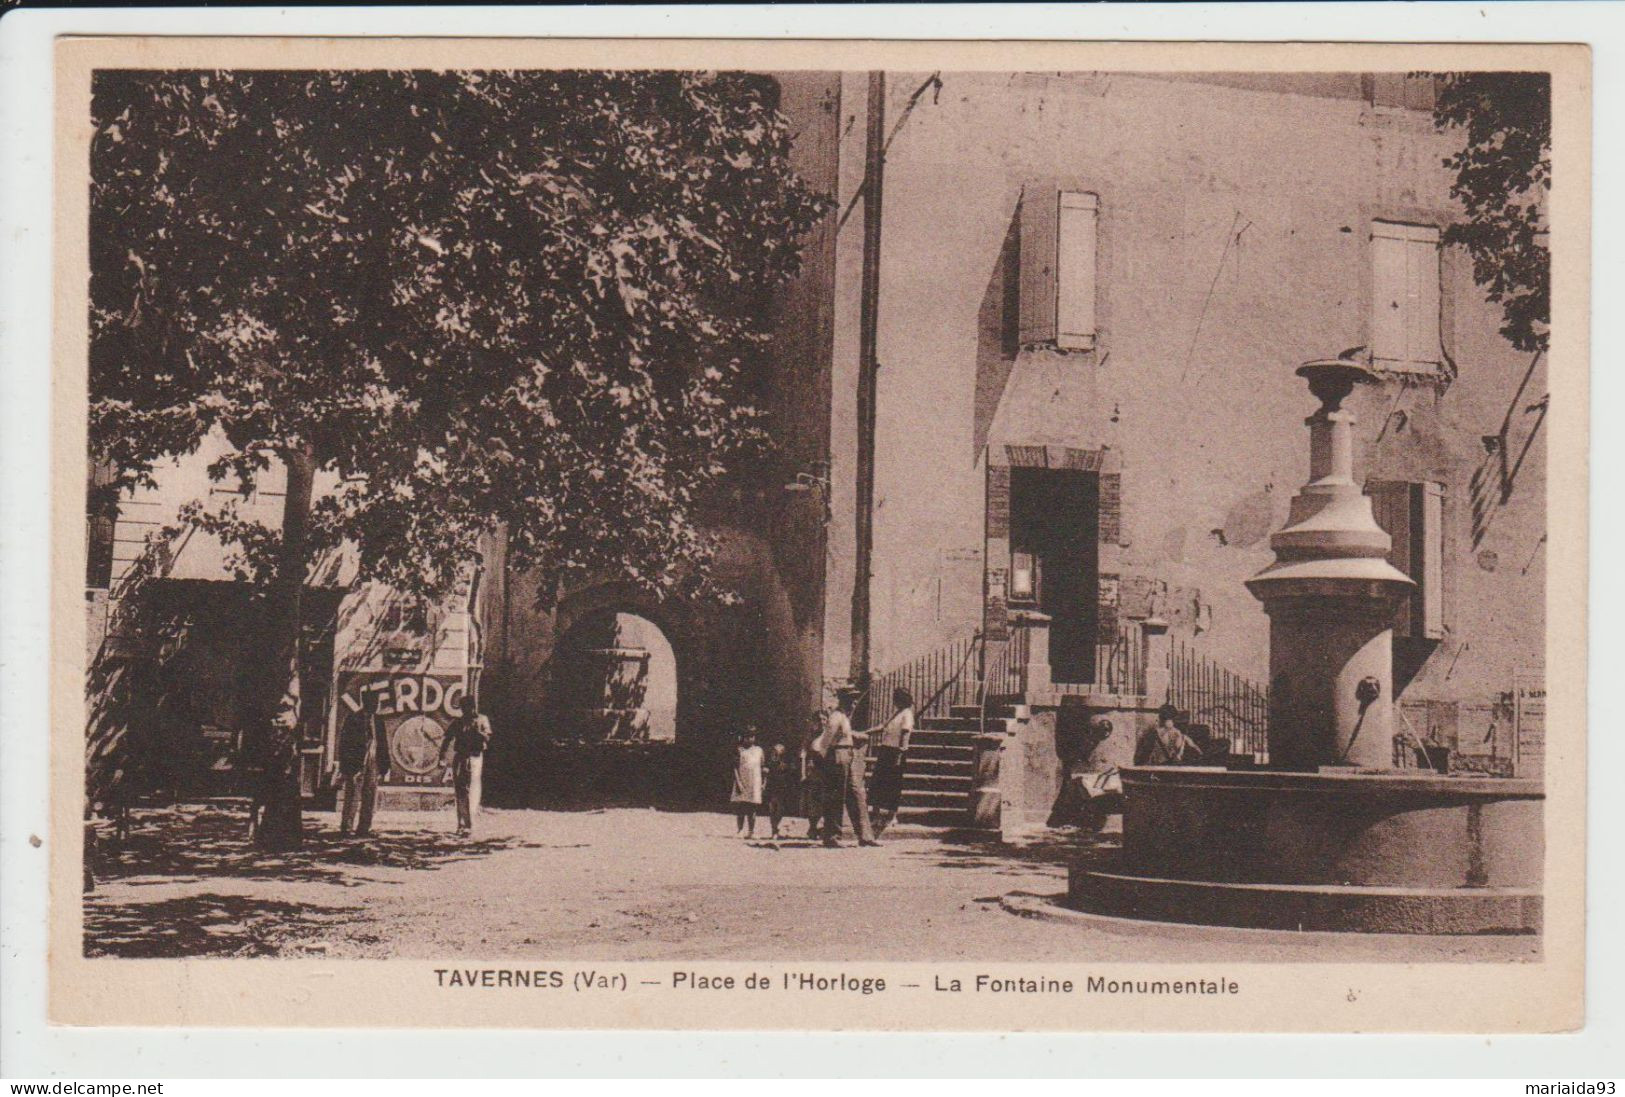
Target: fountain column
1331,596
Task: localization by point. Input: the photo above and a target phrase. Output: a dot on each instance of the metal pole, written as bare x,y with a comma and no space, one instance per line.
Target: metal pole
868,368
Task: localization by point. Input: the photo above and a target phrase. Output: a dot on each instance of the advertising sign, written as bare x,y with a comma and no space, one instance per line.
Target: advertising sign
417,709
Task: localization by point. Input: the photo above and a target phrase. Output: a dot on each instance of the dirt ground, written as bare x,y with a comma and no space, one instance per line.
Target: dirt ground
636,884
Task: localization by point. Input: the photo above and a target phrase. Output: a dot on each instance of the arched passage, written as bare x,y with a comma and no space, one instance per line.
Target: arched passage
732,661
615,681
614,710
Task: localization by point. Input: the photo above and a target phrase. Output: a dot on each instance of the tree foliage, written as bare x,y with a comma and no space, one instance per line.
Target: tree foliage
1503,174
534,298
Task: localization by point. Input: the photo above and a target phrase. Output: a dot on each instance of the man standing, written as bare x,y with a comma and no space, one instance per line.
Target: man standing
363,761
466,740
843,754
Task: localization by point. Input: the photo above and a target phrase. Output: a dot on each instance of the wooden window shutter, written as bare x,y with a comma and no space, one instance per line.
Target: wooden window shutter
101,529
998,501
1078,217
1059,247
1430,570
1388,330
1107,606
1039,228
1391,506
1422,285
1413,515
996,555
1405,302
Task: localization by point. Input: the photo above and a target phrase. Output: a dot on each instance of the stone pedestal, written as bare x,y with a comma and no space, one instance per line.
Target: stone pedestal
1155,658
1033,631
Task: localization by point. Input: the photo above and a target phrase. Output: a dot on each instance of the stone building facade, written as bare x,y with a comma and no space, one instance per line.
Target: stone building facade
1094,289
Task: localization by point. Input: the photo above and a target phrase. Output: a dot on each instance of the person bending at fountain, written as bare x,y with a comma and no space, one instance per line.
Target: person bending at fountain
1165,744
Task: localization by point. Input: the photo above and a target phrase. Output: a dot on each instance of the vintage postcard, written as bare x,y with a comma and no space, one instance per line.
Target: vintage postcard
700,534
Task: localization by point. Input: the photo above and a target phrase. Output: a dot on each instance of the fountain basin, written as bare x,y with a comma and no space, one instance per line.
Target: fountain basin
1332,849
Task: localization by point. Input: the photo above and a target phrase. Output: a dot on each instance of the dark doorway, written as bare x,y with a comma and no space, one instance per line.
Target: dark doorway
1053,515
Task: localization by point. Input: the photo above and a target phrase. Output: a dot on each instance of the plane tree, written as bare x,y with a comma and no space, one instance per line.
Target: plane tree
1503,173
533,299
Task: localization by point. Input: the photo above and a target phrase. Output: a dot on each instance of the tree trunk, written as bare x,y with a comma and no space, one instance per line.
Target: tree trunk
277,823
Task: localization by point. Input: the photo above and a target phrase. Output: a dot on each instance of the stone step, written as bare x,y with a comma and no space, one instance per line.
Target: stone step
960,762
995,710
950,818
951,736
1002,725
941,753
944,798
931,767
940,782
933,782
949,723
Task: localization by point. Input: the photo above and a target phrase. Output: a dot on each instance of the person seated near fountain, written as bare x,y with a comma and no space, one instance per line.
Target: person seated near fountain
1165,744
748,783
783,784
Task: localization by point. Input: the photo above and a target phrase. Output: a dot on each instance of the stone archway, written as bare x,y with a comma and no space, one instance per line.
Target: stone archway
586,731
743,658
615,680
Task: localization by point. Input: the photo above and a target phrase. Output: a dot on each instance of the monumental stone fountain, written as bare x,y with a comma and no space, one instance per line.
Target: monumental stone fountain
1330,835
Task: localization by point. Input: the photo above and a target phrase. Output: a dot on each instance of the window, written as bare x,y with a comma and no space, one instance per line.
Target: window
1405,296
405,615
1412,514
1058,257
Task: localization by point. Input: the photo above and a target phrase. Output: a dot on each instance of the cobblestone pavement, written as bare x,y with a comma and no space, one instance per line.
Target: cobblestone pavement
633,884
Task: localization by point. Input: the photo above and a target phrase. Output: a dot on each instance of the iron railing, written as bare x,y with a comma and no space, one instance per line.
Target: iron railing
959,674
1120,661
1229,705
937,681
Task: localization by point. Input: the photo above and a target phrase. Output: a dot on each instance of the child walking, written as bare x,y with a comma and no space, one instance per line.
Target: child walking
748,782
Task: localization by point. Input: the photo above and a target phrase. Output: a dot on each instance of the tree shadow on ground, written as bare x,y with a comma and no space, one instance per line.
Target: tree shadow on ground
204,925
1059,848
213,842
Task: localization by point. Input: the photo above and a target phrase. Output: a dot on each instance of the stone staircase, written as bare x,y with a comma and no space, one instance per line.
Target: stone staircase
950,774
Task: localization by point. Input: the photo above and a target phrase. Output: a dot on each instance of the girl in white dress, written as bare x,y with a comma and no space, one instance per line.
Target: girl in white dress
747,790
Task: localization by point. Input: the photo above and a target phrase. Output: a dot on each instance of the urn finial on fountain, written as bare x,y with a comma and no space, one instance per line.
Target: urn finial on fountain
1331,595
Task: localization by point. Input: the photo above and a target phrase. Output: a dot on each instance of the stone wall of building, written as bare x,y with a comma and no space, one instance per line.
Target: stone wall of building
1234,242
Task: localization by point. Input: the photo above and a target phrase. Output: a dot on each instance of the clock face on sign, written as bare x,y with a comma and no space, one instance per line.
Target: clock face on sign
415,744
